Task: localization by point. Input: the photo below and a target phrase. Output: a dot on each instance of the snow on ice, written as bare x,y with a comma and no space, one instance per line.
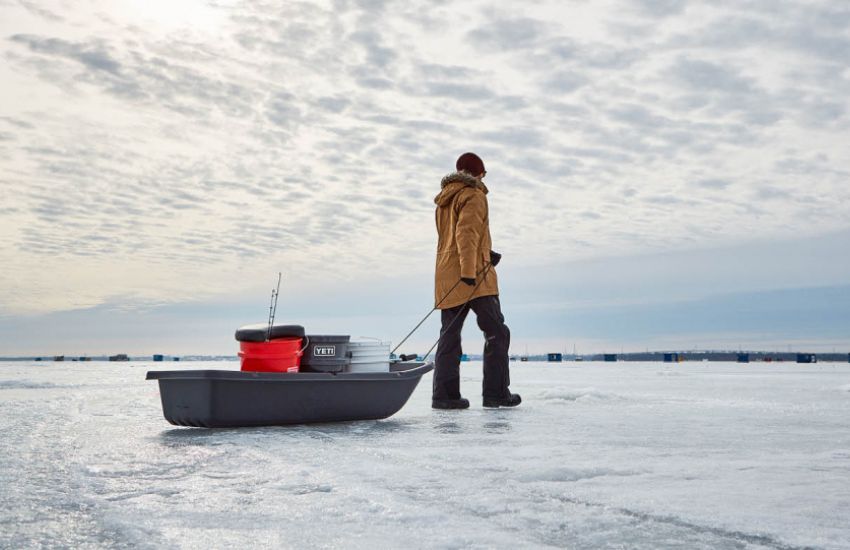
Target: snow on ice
597,456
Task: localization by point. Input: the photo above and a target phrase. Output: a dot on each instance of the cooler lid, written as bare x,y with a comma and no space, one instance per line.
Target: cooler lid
259,331
327,338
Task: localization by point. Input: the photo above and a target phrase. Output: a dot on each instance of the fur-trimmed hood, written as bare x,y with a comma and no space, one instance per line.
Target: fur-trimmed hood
453,183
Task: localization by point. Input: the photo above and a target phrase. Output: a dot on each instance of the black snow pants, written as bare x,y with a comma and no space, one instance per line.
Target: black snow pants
497,336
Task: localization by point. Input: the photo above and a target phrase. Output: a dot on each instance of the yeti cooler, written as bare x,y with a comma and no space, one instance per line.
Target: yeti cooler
325,353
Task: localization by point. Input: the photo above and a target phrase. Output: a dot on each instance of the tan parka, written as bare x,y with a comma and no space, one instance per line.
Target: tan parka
463,246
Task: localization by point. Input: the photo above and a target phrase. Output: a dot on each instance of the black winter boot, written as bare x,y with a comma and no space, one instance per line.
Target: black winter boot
460,403
510,400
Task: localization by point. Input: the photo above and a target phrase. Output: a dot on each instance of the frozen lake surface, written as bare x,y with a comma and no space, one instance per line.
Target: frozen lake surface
598,456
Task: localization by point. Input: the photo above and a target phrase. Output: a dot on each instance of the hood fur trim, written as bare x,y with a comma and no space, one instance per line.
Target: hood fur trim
454,183
462,177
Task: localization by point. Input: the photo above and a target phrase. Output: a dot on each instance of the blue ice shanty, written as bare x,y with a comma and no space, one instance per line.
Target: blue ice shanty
158,358
555,357
807,358
743,357
609,357
671,357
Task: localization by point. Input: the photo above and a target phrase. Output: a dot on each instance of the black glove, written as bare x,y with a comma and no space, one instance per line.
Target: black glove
468,280
495,257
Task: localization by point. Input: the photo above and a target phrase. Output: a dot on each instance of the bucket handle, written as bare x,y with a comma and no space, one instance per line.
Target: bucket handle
306,339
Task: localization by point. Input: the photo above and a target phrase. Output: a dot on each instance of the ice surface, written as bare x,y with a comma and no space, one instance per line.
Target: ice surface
598,456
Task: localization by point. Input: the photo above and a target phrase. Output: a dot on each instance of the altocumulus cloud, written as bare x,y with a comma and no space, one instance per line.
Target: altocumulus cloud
150,162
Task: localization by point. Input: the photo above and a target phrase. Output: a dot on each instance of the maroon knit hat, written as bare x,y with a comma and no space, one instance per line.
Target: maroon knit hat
470,163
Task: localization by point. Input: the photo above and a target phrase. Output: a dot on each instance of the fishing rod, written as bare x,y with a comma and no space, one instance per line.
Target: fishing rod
484,269
273,307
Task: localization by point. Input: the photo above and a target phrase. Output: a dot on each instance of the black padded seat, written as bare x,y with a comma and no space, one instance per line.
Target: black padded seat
259,331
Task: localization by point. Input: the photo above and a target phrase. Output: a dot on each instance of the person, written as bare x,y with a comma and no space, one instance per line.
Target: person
465,279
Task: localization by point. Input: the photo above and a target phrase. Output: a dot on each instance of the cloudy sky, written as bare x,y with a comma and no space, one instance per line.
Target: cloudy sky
663,173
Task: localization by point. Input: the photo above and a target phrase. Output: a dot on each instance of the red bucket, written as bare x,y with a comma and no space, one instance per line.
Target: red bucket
278,355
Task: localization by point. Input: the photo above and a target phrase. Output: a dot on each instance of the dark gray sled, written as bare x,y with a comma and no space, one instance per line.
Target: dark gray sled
221,398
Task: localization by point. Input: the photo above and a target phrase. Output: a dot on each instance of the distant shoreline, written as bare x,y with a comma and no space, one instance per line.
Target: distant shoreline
649,356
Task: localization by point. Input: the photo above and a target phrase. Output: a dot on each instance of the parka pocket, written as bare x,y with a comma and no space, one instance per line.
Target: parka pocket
447,260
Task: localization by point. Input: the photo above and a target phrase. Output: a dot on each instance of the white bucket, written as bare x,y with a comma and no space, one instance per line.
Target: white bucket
369,356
